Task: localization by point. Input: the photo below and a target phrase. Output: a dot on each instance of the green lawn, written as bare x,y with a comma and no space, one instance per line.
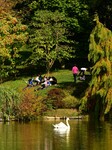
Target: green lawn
64,78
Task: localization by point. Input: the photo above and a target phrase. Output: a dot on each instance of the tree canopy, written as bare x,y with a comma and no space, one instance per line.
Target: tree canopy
12,36
48,38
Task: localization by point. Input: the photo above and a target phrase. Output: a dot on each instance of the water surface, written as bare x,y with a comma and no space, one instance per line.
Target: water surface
40,135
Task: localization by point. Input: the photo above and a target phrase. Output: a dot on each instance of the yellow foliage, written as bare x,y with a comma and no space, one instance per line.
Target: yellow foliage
109,95
99,79
11,30
109,100
100,53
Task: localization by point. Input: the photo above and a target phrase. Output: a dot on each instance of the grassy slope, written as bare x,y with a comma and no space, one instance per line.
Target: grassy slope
63,77
65,82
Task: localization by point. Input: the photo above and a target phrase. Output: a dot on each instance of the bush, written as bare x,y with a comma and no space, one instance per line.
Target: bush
30,107
70,102
54,98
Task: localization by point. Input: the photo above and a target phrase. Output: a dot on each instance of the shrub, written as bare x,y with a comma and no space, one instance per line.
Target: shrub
54,98
31,106
70,102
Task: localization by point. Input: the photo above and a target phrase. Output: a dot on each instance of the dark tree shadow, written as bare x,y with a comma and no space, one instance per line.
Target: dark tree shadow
78,88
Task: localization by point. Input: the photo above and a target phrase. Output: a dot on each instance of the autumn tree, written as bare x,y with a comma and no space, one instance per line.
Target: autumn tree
98,97
12,36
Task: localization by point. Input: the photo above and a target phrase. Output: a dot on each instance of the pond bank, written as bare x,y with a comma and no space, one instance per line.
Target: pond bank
59,118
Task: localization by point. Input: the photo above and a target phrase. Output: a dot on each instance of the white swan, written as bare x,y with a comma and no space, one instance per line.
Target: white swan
62,126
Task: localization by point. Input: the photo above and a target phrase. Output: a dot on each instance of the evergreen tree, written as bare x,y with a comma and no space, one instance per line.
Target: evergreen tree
98,97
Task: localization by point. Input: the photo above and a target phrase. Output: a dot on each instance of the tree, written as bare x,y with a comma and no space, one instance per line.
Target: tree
48,38
13,35
77,20
98,97
104,13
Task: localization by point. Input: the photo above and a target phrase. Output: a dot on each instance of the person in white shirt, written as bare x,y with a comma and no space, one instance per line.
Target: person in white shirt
37,80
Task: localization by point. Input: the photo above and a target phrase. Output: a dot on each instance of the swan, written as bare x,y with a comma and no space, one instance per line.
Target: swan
62,132
61,125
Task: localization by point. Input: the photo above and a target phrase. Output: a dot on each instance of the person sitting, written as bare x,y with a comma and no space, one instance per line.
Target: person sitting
53,80
38,79
46,83
29,83
44,78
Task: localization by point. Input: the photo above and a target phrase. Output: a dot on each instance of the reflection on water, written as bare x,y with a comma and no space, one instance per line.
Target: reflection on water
41,135
63,133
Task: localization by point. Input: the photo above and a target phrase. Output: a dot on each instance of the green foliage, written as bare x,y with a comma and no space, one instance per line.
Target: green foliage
48,38
100,90
70,101
54,26
12,36
9,99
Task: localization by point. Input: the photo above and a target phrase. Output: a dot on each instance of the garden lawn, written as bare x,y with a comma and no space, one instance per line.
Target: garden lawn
63,76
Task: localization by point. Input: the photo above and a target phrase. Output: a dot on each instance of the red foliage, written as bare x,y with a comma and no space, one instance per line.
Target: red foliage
30,106
56,95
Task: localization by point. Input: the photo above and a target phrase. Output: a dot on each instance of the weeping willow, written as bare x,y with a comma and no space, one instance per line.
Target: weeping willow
98,97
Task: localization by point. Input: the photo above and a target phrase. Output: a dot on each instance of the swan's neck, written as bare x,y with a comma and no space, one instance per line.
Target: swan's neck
67,124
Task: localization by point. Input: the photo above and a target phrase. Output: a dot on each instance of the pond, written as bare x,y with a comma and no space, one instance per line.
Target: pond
40,135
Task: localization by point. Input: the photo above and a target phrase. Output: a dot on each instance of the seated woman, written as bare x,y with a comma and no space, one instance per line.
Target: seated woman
38,79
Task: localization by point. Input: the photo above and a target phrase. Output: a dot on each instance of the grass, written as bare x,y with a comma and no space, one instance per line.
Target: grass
65,82
64,78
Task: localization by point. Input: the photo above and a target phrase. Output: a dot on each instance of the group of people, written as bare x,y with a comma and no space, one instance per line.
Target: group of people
48,81
76,72
43,82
